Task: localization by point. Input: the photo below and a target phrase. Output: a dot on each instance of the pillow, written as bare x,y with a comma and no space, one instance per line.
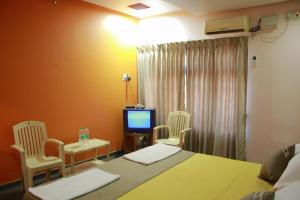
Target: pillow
297,149
291,173
265,195
275,165
290,192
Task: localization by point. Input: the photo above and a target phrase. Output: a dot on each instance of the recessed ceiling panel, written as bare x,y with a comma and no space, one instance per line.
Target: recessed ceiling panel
156,7
138,6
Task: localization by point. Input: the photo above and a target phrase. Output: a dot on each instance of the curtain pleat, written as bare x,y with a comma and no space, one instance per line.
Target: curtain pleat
216,91
206,78
161,78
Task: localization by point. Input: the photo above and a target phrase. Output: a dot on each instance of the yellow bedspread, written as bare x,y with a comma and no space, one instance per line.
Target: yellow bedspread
202,177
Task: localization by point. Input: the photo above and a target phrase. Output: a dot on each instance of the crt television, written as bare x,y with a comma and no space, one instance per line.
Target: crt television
138,120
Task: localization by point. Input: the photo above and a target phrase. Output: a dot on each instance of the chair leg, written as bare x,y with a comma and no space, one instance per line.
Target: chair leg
22,181
26,179
62,170
30,179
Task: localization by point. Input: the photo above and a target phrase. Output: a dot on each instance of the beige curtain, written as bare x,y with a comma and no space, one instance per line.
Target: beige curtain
216,95
161,78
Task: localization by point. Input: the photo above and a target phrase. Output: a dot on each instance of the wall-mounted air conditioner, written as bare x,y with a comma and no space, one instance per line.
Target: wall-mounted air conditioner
227,25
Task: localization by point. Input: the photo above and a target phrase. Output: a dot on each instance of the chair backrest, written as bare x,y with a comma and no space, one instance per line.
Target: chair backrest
31,135
178,121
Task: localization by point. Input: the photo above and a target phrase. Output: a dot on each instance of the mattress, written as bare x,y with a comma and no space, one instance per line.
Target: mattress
184,175
132,174
202,177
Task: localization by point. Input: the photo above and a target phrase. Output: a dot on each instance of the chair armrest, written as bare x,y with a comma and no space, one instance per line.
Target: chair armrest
55,141
18,148
60,147
187,130
155,131
22,154
159,127
182,136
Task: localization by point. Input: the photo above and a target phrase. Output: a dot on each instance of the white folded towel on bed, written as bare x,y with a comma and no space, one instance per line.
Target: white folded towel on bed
152,153
74,186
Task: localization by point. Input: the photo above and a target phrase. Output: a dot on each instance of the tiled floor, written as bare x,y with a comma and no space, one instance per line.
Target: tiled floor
15,192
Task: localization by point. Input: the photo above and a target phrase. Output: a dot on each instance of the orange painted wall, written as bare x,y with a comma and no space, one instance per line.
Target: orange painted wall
59,64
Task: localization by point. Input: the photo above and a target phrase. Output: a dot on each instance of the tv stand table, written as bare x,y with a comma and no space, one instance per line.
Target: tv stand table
91,145
140,140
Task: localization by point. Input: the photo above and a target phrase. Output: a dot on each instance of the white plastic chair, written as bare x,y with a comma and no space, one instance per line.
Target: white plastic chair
30,139
178,126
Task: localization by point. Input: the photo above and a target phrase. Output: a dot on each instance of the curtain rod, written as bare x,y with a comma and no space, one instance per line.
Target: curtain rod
207,37
228,35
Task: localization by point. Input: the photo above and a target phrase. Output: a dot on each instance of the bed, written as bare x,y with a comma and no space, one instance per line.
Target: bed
185,175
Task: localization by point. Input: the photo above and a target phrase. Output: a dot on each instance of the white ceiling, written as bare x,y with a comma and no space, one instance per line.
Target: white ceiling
192,6
208,6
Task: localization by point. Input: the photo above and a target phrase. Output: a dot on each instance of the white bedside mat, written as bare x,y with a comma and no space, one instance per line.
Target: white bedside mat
152,153
74,186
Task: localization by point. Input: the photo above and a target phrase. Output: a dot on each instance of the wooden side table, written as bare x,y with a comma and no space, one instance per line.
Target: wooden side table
91,145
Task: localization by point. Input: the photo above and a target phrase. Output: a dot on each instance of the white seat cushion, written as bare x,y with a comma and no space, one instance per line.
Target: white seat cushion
170,141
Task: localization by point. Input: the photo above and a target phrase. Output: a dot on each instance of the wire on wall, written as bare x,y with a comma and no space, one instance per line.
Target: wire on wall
126,93
265,36
126,79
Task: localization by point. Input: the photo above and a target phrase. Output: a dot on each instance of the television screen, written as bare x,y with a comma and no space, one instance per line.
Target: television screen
138,120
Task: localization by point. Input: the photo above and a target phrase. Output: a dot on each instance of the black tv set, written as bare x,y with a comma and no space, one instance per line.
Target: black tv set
138,120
